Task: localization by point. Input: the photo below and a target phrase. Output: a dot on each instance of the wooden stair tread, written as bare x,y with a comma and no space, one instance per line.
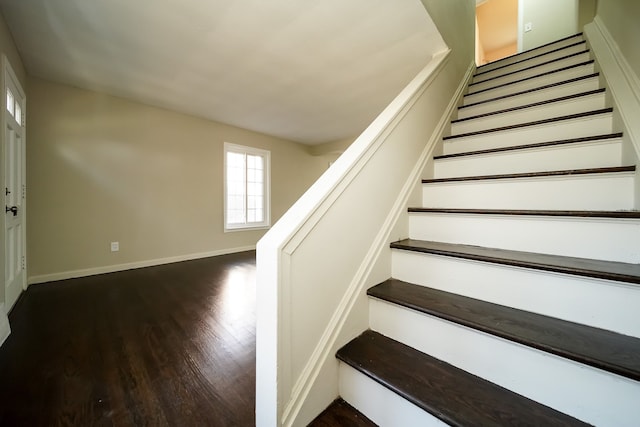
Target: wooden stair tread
527,59
511,73
534,145
448,393
591,346
547,73
533,123
532,212
341,414
528,51
524,92
535,104
607,270
568,172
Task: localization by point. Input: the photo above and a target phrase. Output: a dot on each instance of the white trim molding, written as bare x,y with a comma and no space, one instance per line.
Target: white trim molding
132,265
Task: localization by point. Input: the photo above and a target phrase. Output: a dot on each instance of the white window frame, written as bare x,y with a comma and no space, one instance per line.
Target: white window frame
266,155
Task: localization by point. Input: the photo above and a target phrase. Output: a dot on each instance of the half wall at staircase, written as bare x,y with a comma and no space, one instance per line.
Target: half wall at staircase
315,264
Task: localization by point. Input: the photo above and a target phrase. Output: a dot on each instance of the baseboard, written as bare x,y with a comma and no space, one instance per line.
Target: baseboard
132,265
5,329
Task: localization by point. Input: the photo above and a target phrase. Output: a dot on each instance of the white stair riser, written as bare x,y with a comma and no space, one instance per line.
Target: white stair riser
580,192
532,62
573,298
578,390
379,404
604,239
581,104
530,72
560,76
566,89
584,155
599,124
532,53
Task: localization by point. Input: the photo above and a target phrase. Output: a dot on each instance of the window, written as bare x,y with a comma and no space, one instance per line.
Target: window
13,107
10,104
246,185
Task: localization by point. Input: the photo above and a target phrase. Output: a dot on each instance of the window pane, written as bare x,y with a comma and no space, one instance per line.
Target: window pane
18,114
258,162
10,102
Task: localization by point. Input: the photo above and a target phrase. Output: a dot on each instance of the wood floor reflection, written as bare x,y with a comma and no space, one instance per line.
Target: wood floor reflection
172,345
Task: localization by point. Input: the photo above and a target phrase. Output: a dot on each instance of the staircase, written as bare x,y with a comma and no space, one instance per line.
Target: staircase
516,299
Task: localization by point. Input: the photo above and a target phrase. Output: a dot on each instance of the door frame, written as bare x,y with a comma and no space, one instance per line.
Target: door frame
9,75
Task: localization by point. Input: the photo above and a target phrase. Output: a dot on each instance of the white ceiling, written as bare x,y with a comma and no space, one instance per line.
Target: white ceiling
306,70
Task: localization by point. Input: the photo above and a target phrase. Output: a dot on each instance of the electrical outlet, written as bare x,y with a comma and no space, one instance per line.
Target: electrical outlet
115,246
528,27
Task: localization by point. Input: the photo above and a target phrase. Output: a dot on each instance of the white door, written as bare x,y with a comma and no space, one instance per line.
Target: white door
14,169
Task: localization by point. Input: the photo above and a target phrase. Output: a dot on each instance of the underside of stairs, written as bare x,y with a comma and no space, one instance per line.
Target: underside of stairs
515,299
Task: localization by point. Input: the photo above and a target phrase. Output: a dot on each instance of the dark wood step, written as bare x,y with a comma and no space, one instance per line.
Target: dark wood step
535,145
511,73
532,212
534,104
607,270
588,171
548,73
341,414
534,123
527,51
606,350
524,92
446,392
527,59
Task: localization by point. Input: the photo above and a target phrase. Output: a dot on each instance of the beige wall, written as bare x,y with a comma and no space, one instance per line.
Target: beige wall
551,19
622,19
586,12
455,20
102,169
8,48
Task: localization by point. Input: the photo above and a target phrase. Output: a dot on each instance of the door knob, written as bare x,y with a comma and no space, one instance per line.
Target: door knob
13,209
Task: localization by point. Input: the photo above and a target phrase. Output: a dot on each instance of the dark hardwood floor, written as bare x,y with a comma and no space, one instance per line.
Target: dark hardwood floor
172,345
